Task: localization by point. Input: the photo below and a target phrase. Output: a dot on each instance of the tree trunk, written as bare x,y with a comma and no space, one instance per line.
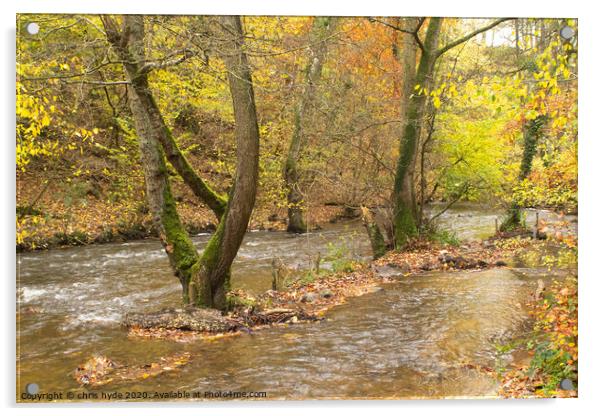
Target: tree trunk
174,238
136,71
377,241
186,319
204,279
414,107
532,132
215,201
407,60
322,28
211,279
404,215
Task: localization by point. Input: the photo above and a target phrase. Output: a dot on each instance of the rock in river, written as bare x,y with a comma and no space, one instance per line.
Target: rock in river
326,293
309,297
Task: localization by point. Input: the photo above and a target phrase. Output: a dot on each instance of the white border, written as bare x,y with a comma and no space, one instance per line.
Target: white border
590,152
463,8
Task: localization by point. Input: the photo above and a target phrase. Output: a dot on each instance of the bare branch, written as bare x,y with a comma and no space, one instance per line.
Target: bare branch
72,75
111,30
471,35
397,28
459,195
166,62
414,32
102,83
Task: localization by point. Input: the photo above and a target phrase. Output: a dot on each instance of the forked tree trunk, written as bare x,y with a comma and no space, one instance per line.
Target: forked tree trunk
204,279
215,201
322,28
404,215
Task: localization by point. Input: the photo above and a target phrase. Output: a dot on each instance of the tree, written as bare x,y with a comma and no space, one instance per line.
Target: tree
211,278
544,111
404,204
404,214
205,278
321,29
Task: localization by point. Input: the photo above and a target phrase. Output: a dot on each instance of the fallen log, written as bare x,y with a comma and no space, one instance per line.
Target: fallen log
275,316
187,319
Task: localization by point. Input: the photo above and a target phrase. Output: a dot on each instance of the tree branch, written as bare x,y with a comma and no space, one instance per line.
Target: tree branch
471,35
458,196
414,32
164,63
101,83
110,26
138,82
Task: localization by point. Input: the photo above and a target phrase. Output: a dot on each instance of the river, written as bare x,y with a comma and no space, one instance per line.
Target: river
410,339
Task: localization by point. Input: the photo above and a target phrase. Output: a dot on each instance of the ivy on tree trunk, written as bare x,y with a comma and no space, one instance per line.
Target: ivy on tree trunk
532,133
404,214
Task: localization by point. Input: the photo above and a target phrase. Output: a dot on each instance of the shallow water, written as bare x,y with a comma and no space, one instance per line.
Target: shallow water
410,339
471,221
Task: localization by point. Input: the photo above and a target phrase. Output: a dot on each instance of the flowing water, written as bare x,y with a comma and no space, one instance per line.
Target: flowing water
410,339
470,221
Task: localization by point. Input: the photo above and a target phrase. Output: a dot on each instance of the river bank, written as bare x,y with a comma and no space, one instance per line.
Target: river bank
96,223
310,295
550,352
41,233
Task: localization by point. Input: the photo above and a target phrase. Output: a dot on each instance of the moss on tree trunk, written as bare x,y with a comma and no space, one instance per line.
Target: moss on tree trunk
404,215
210,280
532,133
377,241
174,238
205,279
294,198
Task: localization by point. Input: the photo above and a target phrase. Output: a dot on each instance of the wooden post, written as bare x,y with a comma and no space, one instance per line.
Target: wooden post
276,274
496,226
536,225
